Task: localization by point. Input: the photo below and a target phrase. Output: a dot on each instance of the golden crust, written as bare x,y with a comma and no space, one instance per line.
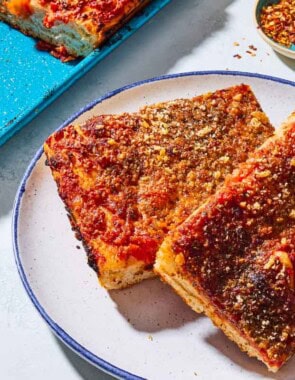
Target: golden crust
167,267
128,179
170,272
85,25
234,256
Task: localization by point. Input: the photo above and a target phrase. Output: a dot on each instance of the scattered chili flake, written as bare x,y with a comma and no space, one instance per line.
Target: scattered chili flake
237,56
251,53
278,22
252,47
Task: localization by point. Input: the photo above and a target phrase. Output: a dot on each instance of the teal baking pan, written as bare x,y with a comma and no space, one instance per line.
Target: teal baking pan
31,79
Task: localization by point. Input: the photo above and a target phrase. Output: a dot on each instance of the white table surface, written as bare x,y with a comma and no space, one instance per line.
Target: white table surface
187,35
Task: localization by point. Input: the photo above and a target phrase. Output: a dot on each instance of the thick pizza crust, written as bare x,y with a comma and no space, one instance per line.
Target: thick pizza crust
169,266
171,273
119,279
79,37
75,38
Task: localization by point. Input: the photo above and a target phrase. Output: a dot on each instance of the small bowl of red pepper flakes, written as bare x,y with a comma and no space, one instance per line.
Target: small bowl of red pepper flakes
276,24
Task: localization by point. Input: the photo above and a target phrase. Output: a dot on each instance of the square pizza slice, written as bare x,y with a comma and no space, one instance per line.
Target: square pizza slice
73,27
234,257
128,179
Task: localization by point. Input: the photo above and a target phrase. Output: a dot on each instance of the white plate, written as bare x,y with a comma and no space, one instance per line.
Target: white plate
146,330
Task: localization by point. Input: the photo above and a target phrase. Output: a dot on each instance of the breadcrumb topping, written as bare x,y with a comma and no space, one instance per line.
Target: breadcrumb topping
240,248
128,179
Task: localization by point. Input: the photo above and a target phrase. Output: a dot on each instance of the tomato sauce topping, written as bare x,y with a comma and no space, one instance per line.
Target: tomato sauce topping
99,12
240,248
129,179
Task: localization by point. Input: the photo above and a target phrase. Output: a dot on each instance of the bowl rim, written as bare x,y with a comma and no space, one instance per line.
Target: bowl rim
275,45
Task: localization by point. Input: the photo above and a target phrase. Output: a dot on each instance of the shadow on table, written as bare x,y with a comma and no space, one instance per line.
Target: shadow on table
173,34
158,307
229,349
149,306
86,370
287,61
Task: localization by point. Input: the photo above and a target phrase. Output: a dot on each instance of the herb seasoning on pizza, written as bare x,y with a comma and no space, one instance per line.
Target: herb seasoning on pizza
128,179
234,257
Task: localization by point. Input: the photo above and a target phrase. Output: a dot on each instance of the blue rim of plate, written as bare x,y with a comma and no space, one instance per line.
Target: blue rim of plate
59,332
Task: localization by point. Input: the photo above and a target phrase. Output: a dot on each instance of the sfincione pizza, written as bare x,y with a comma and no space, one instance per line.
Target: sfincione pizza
234,257
71,27
128,179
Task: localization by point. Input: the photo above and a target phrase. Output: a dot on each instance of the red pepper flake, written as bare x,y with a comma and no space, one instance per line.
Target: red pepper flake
252,47
237,56
277,22
251,53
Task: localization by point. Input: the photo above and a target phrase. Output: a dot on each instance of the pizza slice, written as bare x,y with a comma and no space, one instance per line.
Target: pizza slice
72,27
128,179
234,257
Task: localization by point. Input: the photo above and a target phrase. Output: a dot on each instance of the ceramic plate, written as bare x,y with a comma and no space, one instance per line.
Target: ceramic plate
145,331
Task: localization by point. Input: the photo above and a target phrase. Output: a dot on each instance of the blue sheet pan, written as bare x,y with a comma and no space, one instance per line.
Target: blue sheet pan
31,79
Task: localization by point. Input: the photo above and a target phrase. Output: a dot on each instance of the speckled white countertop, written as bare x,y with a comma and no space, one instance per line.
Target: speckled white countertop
187,35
